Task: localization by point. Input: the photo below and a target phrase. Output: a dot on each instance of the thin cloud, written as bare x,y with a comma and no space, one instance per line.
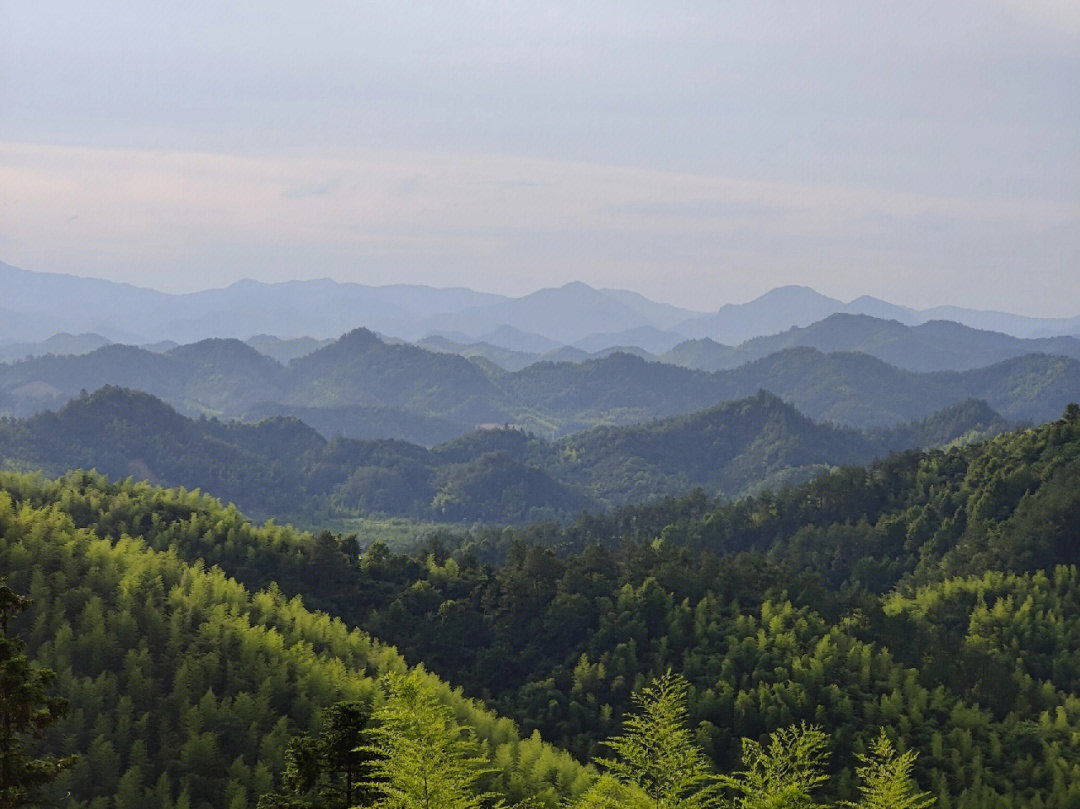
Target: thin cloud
662,232
314,189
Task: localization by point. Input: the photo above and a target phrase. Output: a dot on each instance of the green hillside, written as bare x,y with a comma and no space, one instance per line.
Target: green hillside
935,594
184,686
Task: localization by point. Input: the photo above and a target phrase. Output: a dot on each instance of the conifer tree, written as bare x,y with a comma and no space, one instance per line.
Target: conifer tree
886,779
656,752
26,709
340,740
424,759
783,774
324,771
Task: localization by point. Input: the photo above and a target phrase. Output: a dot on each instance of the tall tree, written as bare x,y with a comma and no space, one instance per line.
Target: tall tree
26,709
324,770
608,792
782,774
886,779
656,751
424,759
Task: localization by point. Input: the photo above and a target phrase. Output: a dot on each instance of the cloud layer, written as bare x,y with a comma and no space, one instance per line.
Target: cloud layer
701,153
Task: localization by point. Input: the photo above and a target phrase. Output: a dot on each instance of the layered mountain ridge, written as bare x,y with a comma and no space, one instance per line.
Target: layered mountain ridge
362,386
282,467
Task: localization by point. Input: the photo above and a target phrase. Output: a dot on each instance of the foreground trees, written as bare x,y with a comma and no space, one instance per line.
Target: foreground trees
656,752
324,770
420,757
185,688
886,779
26,709
783,773
936,597
659,761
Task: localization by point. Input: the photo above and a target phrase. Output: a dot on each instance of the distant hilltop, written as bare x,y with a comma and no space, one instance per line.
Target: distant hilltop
491,426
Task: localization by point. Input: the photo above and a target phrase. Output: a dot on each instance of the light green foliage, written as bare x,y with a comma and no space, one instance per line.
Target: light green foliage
608,792
782,774
886,779
423,759
185,687
933,595
656,751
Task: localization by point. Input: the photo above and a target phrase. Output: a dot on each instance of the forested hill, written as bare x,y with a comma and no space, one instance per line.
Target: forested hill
935,594
360,386
281,467
184,686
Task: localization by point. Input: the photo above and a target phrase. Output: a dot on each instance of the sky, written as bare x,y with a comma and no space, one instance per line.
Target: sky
698,152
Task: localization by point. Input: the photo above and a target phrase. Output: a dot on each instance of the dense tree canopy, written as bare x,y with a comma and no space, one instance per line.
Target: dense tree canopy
935,596
184,687
27,709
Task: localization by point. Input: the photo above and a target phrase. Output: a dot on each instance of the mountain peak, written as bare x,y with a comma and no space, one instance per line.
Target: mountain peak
793,293
577,286
111,402
359,337
222,348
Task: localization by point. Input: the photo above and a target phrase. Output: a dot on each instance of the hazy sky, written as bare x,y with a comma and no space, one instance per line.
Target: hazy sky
700,153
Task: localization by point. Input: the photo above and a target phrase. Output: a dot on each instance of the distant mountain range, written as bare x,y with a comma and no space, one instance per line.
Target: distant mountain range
362,386
938,345
792,306
36,306
934,346
281,467
556,362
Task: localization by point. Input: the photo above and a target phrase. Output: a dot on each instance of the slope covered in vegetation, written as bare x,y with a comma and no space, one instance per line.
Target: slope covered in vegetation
185,687
934,594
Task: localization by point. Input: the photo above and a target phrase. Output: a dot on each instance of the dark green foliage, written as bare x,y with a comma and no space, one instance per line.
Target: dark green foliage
362,387
281,467
862,599
27,709
327,770
935,595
